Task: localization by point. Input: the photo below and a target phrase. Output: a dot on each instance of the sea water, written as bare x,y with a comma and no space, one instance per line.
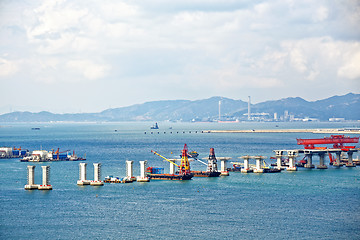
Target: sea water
307,204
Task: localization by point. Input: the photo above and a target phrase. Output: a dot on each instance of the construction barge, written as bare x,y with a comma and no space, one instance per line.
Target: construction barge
211,170
184,169
51,156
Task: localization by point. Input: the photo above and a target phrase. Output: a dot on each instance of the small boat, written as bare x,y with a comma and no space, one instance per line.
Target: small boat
155,126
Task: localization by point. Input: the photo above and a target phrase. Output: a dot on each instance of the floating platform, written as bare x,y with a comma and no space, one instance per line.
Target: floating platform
170,177
205,174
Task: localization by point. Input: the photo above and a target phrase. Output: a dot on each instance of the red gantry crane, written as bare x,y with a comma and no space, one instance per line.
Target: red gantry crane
337,141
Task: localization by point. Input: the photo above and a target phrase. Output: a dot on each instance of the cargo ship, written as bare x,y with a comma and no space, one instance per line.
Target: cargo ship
51,156
184,169
8,152
212,170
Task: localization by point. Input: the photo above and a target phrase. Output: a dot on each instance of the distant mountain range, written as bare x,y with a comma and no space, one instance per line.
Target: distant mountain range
346,106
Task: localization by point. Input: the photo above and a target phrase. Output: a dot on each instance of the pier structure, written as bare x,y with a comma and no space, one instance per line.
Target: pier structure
172,166
321,152
97,175
224,171
129,171
279,155
30,178
350,162
308,156
321,161
82,175
45,179
292,158
246,168
143,177
258,164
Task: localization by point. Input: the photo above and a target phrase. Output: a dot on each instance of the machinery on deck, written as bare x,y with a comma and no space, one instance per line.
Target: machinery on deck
184,168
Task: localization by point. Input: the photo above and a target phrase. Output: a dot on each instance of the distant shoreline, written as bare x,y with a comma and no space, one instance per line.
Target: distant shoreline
327,130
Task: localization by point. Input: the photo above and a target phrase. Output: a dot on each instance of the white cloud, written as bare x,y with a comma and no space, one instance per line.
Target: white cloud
8,68
351,66
88,69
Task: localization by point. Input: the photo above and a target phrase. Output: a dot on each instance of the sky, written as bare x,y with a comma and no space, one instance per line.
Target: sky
86,56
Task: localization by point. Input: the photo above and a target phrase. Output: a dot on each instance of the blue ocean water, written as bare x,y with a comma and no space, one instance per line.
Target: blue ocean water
307,204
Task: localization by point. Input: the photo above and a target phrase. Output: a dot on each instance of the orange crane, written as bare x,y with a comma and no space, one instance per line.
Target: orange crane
58,153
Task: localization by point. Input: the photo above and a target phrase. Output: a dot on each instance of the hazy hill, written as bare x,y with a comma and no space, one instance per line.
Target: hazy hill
346,106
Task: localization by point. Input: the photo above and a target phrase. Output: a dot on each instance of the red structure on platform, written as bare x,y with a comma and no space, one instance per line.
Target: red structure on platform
337,141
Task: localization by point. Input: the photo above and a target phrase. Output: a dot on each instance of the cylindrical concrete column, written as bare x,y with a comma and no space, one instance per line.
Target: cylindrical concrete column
82,171
142,169
338,159
45,175
309,160
321,161
258,163
172,167
31,175
350,159
292,167
246,163
97,172
129,169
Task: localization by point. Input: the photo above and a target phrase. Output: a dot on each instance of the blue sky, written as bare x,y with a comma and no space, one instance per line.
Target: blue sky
86,56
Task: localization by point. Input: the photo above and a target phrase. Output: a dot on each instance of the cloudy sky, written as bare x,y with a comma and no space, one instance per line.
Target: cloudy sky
86,56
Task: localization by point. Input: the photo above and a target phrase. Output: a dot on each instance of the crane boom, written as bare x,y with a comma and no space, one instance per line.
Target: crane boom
165,158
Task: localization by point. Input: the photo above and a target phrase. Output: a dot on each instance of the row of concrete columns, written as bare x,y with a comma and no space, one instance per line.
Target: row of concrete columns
292,154
45,178
97,175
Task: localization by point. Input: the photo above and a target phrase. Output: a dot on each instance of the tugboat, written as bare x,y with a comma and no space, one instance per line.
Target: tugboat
184,169
155,126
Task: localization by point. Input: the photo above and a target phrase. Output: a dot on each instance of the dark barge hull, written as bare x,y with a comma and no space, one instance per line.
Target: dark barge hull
205,174
170,177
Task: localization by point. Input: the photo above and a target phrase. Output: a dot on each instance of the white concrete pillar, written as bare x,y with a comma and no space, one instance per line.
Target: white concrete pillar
292,156
82,171
129,169
224,171
45,179
82,175
143,177
31,175
45,175
246,163
279,159
30,178
258,167
172,167
258,163
97,175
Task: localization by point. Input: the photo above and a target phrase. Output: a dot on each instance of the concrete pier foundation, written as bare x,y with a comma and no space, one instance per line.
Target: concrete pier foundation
322,161
30,178
258,168
224,171
279,159
97,175
246,167
82,175
129,171
143,177
45,179
292,156
337,162
172,167
309,161
350,160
